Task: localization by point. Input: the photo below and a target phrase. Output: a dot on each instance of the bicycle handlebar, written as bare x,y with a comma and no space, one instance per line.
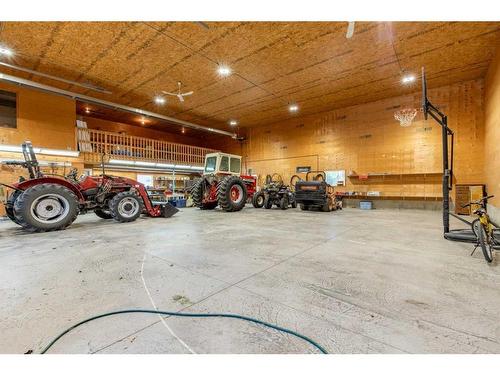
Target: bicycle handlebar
479,201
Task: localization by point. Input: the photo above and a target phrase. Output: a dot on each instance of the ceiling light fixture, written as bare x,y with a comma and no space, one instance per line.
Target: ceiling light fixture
43,151
87,110
224,71
120,162
6,51
408,79
143,121
183,130
160,100
233,122
293,107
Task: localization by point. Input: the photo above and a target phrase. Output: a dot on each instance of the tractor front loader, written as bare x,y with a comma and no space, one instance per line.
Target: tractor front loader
45,203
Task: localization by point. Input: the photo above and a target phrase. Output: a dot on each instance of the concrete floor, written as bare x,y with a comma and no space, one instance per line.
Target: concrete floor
381,281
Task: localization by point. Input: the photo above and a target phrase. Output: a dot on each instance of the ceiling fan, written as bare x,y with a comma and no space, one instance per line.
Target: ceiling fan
180,95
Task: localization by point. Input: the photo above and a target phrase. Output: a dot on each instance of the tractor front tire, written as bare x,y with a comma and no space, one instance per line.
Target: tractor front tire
46,207
232,194
126,206
268,202
284,202
258,199
103,214
9,205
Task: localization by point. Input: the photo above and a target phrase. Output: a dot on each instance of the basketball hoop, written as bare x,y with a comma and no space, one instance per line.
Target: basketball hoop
405,116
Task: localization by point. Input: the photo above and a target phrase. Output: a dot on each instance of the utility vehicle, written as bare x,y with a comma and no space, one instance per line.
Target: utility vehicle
315,192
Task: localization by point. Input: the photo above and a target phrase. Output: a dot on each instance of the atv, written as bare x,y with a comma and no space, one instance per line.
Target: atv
44,203
274,192
316,193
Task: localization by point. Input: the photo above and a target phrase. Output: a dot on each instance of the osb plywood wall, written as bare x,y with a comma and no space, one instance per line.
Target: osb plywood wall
44,119
112,126
366,139
492,133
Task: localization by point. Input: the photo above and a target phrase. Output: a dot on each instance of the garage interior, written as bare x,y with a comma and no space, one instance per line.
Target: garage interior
335,104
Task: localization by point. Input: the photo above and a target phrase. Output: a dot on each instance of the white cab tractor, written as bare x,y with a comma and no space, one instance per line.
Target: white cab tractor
222,184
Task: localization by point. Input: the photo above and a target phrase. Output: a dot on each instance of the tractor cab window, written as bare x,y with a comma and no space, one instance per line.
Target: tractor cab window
224,164
235,165
210,164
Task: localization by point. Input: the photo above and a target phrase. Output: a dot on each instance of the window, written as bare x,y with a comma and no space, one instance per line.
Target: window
224,164
210,164
8,112
145,179
235,165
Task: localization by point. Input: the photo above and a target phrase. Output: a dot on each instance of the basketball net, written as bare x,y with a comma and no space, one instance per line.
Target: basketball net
405,116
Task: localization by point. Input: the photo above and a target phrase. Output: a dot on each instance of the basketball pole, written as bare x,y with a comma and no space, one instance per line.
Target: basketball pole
446,179
442,120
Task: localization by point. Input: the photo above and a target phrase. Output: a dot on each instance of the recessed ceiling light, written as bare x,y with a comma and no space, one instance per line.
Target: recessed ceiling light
224,71
293,107
183,130
6,51
233,122
408,79
87,110
160,100
143,121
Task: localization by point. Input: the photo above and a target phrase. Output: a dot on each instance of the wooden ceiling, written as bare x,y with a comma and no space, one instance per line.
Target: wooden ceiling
274,63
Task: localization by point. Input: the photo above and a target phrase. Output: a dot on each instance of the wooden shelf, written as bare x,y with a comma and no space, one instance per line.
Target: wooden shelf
401,175
392,197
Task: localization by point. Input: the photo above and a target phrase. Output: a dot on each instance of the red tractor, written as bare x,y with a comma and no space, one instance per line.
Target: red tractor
45,203
222,184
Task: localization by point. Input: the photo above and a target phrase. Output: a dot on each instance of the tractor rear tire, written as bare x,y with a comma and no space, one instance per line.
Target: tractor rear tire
197,193
284,202
232,194
103,214
9,205
258,199
126,206
46,207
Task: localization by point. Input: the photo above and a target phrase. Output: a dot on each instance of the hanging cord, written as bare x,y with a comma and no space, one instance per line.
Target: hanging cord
190,315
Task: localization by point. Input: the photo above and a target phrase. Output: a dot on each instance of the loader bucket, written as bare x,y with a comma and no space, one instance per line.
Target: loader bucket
167,210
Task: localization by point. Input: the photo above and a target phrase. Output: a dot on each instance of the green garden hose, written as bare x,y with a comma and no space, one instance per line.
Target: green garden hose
190,315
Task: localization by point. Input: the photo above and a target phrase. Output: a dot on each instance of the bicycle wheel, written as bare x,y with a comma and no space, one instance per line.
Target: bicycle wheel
482,238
